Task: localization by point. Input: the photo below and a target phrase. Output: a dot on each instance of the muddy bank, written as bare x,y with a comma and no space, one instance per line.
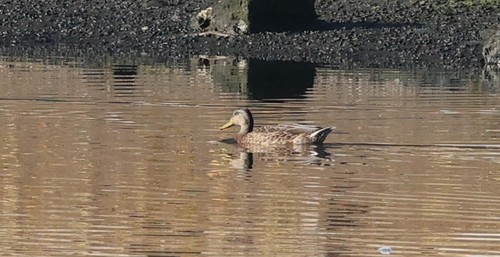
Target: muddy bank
376,33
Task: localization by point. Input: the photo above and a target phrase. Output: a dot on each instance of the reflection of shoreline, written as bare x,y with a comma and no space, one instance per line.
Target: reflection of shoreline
262,80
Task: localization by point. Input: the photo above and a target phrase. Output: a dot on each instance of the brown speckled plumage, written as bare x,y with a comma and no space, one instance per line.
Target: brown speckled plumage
274,135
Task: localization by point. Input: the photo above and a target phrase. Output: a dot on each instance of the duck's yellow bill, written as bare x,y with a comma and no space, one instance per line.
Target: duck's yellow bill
227,125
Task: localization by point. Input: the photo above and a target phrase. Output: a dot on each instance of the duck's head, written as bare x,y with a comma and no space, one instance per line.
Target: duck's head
242,118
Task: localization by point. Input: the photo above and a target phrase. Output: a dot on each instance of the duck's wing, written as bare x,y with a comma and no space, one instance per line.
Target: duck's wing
289,133
299,128
304,134
291,128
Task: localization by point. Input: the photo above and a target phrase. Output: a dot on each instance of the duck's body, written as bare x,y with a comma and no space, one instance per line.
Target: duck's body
274,135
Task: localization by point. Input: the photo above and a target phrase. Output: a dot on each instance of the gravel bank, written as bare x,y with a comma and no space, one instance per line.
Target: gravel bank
367,33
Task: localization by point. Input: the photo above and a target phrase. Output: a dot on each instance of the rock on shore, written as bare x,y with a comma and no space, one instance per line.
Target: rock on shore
373,33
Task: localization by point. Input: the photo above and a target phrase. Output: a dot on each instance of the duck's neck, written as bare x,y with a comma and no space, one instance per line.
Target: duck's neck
247,125
245,129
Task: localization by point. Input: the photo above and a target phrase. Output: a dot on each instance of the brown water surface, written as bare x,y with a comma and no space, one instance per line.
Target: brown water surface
126,160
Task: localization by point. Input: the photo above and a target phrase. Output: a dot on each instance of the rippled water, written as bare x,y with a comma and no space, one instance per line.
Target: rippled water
115,159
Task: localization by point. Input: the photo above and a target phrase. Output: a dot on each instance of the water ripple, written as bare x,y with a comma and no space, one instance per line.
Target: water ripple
127,160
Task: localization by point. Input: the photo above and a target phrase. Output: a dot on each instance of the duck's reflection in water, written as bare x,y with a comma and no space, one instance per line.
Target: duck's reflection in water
244,158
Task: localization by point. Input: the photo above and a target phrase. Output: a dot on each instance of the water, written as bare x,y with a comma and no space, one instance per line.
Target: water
120,159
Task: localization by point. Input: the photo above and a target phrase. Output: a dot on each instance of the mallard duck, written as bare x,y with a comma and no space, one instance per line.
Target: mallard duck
274,135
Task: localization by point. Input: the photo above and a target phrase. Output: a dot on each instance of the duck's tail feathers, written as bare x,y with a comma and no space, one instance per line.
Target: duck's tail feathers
320,135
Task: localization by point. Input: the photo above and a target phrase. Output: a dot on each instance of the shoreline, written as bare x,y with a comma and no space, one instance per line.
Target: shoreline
371,34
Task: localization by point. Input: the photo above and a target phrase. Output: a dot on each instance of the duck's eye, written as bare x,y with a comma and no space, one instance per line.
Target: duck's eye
235,113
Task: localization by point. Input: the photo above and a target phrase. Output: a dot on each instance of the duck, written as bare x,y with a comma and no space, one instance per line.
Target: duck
287,134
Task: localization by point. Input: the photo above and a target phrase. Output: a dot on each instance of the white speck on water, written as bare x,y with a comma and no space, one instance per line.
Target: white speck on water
385,250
